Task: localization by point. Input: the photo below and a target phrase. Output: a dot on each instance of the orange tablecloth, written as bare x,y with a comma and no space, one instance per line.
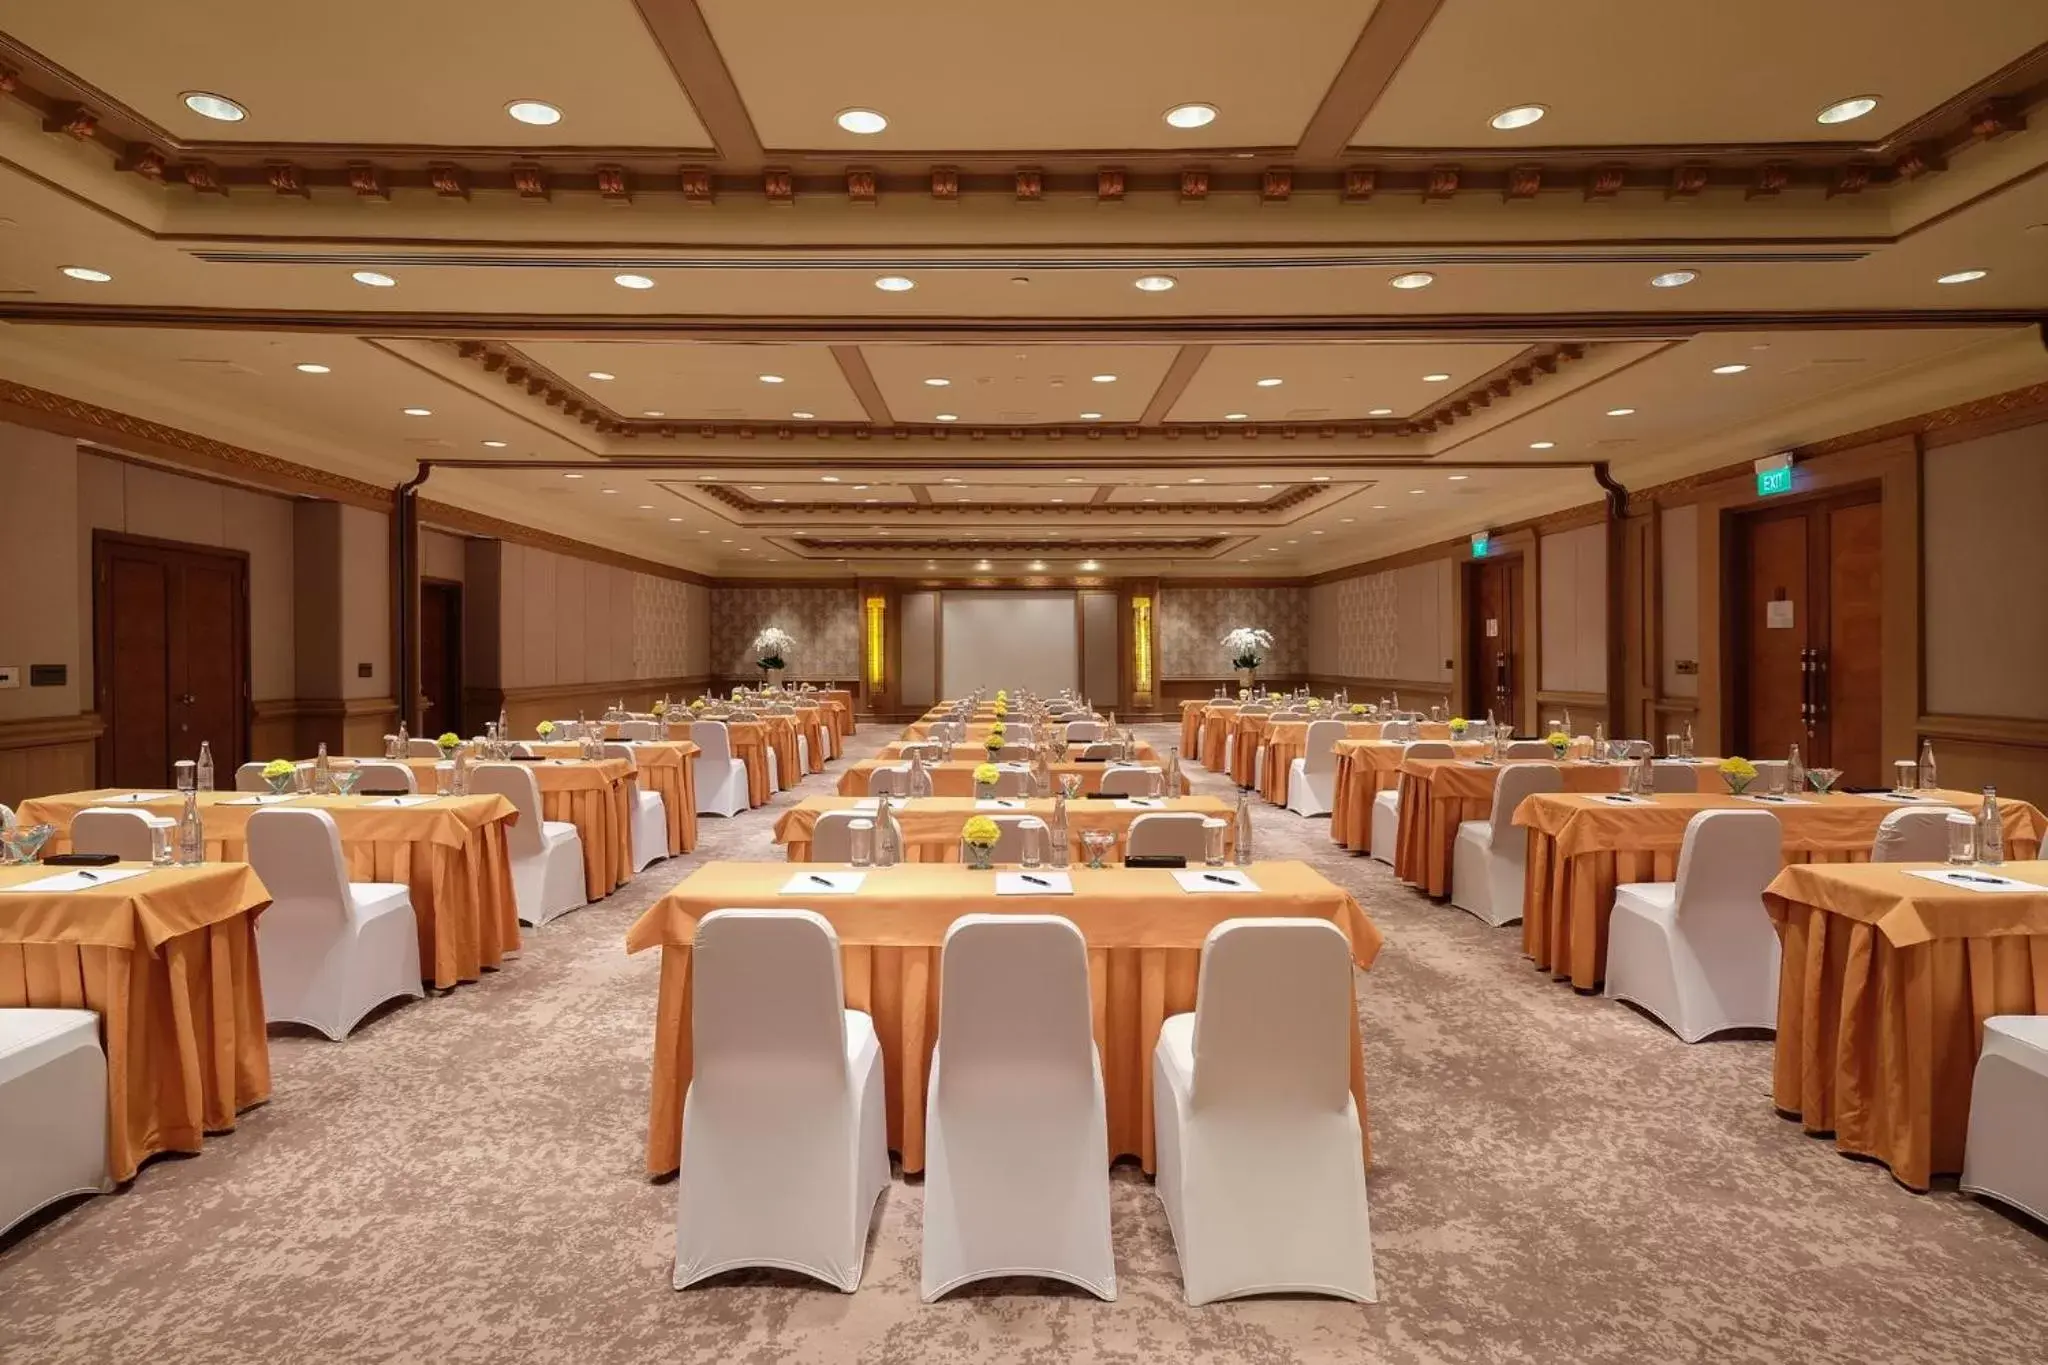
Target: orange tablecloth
1581,848
1217,719
892,752
1441,793
957,779
1144,951
1191,728
589,795
666,766
841,701
168,962
1885,984
1286,740
450,853
931,825
1365,768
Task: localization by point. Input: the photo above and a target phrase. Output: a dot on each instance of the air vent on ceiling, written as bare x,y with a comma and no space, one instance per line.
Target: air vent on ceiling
217,364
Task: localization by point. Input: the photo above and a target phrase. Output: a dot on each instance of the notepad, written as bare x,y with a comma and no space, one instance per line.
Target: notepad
85,879
1140,803
1770,800
1034,884
867,803
1618,799
999,803
1968,879
403,800
268,799
137,798
824,883
1214,881
1907,798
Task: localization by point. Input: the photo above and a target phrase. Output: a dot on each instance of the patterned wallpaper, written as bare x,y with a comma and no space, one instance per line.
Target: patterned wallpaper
1192,622
671,633
825,622
1393,625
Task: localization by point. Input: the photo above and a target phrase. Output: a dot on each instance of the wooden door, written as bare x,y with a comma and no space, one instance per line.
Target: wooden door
441,656
170,657
1493,639
1805,647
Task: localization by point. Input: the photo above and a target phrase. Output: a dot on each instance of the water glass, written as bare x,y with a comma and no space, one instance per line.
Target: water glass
1032,843
1776,785
1155,784
444,777
1671,749
1962,839
188,774
302,779
1212,840
1906,777
862,841
162,835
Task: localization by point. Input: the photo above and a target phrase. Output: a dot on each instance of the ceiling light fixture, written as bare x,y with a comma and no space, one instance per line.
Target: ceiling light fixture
1320,478
539,113
1381,412
675,518
803,416
419,412
1414,279
1542,445
1271,383
947,417
652,412
1091,416
572,476
1198,480
936,383
1621,412
1520,116
1379,507
1236,416
599,375
769,378
1672,279
219,108
87,273
310,368
895,284
865,122
1191,115
1103,378
1155,284
632,282
1953,277
1435,378
647,507
1842,111
828,478
1089,565
1730,369
1459,478
375,279
495,445
1038,565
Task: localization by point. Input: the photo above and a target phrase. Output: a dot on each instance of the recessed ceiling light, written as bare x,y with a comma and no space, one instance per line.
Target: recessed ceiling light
1381,412
769,378
599,374
1198,480
895,284
866,122
1090,564
1521,116
757,487
375,279
1435,378
828,478
87,273
310,368
947,417
1953,277
1841,111
675,518
1155,284
860,488
419,412
1191,115
1091,416
495,445
1103,378
1414,279
1236,416
1730,369
1418,490
632,282
1379,507
803,416
1039,565
652,412
1271,383
1347,520
1320,478
607,490
950,478
647,507
1459,478
572,476
1073,480
539,113
936,383
1542,445
219,108
1265,487
1621,412
1672,279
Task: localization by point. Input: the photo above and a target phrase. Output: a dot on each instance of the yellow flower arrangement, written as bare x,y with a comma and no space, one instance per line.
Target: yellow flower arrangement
1558,741
1738,766
994,743
697,705
449,741
660,708
544,729
1459,725
280,767
1358,708
1002,694
1315,704
981,832
987,774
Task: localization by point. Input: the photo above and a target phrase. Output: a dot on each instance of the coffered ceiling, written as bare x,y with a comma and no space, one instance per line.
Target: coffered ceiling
696,319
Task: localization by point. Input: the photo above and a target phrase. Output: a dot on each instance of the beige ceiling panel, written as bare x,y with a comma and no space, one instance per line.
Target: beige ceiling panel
1053,75
1734,71
1019,385
376,71
1334,381
722,383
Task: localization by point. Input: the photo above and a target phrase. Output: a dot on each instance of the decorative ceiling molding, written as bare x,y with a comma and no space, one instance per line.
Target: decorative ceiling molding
1152,547
1383,44
859,378
443,516
1186,362
680,31
741,501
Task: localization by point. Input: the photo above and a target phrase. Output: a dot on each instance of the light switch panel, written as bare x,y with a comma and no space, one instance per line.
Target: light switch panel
10,675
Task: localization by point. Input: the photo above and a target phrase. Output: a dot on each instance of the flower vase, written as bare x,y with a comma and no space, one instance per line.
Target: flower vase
1248,677
984,791
978,856
1736,783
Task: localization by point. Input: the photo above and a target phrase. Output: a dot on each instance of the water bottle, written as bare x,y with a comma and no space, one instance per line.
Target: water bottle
323,774
1599,740
1688,739
203,781
920,780
1243,853
1990,831
404,740
459,778
885,852
1056,854
1795,773
1172,773
1646,776
1927,779
191,834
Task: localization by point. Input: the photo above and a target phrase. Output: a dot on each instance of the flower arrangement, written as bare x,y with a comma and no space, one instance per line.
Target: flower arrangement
1315,704
1358,708
994,744
1738,772
544,729
280,773
1002,708
448,742
1560,743
986,774
660,708
981,831
697,705
1002,694
770,645
1244,694
1247,646
1459,725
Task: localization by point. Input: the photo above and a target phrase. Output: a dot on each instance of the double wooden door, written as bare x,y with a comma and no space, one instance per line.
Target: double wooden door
1806,643
170,657
441,657
1493,639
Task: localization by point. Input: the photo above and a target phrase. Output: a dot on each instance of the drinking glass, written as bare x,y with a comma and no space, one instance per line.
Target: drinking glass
1032,840
1212,841
1155,784
1096,842
1823,779
1906,776
345,776
188,774
1070,785
863,843
1962,839
302,779
444,776
1671,746
161,833
1776,785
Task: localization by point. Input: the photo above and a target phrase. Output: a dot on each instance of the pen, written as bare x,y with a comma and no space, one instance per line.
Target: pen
1972,877
1221,881
820,880
92,878
1035,881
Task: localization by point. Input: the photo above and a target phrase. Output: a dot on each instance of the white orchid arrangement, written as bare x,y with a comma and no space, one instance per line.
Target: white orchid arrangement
1247,646
771,644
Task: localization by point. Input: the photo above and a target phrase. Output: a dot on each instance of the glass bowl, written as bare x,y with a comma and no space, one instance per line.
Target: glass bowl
1070,785
1095,843
1823,779
21,843
345,779
282,782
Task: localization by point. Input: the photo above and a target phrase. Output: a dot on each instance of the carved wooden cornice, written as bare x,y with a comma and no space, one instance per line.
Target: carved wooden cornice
742,501
447,517
956,546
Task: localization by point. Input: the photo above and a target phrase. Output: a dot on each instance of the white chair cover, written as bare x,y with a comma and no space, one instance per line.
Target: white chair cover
721,778
1906,835
422,748
123,833
1675,778
889,780
547,855
1130,780
380,775
1528,748
1386,805
2009,1114
1167,832
832,835
1490,857
647,813
53,1110
1312,778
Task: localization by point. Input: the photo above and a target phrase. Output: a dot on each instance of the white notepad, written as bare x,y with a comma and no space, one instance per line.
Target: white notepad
868,803
1769,800
1140,803
1618,799
999,803
403,800
137,798
1969,879
1207,881
84,879
1907,799
1034,884
824,883
267,799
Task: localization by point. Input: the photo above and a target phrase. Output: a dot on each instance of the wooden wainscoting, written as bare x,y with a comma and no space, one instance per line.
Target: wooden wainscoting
1587,710
1972,752
296,727
47,755
1414,696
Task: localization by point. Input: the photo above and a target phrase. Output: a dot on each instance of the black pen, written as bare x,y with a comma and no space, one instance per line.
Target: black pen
89,876
1973,877
1035,881
1221,881
822,881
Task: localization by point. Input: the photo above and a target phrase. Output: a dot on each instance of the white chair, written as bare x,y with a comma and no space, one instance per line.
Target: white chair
649,812
1386,805
123,833
1529,748
1167,833
1081,730
928,751
547,855
1674,778
1903,836
785,1154
1099,749
1129,780
1700,953
832,835
329,950
721,778
1491,856
889,780
2009,1114
422,748
53,1110
1013,782
1261,1161
1631,748
642,730
249,778
1312,778
1012,752
1769,770
1016,1128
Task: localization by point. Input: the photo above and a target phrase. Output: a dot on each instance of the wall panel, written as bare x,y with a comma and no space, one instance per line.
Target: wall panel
918,685
1984,508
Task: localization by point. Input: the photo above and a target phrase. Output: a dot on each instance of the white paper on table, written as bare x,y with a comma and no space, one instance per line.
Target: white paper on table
267,799
1140,803
868,803
999,803
137,798
1907,798
1621,799
1214,881
1034,884
84,879
824,884
1968,879
403,800
1770,800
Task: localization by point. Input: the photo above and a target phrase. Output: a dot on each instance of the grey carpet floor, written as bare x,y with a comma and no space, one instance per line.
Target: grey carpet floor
1556,1178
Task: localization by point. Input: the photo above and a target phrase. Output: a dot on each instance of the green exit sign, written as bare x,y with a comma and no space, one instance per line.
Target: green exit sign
1482,541
1769,481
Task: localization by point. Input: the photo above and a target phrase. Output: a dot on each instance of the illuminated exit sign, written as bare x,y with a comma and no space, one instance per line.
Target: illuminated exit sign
1773,475
1482,541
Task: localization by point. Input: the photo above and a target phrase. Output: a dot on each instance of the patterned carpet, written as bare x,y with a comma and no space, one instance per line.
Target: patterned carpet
1556,1179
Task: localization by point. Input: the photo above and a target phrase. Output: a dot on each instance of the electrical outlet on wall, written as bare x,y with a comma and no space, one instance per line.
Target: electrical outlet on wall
10,675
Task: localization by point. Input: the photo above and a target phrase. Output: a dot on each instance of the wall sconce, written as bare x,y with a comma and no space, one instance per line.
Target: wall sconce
1141,649
877,654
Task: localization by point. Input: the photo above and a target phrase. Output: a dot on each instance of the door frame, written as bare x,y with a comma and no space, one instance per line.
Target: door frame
460,642
1469,569
104,543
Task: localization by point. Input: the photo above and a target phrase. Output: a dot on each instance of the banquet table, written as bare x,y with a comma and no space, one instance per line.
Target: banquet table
1287,740
589,794
1365,768
1886,979
1439,794
841,702
167,960
957,779
1144,950
931,825
1582,846
1191,727
665,766
450,853
1217,718
892,752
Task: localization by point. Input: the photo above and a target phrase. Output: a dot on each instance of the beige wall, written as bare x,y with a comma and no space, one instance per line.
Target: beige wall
1391,626
1572,579
1678,569
1192,621
443,556
825,621
1984,509
366,603
564,621
40,620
